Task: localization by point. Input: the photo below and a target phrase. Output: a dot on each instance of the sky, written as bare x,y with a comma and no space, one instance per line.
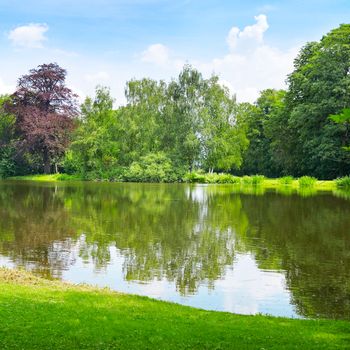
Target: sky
250,45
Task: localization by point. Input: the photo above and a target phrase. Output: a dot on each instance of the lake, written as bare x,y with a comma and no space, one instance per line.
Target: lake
208,246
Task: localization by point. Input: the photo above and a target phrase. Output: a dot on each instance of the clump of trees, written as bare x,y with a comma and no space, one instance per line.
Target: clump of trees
164,131
291,132
168,129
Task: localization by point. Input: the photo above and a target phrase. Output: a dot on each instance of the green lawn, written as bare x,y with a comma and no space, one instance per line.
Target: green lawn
41,314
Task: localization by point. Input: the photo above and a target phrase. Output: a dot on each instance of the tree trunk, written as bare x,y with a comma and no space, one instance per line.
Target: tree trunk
47,163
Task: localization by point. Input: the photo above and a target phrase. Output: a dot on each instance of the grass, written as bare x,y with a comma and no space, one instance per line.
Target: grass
303,183
286,180
47,177
343,183
307,182
42,314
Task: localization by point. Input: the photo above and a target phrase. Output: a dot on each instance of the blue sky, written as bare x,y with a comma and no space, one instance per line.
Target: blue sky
250,44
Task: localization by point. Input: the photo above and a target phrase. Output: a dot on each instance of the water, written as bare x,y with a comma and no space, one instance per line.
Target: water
204,246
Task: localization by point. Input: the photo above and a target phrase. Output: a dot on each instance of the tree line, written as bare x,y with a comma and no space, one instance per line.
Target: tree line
168,129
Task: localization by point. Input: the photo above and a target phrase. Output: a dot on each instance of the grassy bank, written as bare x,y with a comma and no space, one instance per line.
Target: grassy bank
245,181
41,314
46,177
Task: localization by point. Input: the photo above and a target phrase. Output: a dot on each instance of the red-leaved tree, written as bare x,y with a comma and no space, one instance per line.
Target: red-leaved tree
45,109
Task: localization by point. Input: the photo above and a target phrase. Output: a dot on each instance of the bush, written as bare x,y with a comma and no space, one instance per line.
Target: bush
211,178
7,164
154,167
253,180
228,179
194,177
286,180
307,181
343,183
258,179
247,180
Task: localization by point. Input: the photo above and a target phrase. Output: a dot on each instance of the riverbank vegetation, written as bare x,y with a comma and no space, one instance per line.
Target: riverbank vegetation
245,182
169,129
37,313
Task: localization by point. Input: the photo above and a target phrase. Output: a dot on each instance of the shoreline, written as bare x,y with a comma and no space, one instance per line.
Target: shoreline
266,183
39,313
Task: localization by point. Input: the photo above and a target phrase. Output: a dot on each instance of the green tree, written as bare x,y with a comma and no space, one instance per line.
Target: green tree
343,118
140,121
319,86
223,133
7,139
95,149
182,118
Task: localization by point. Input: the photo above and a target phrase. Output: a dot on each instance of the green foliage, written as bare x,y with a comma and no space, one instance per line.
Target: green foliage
194,177
7,140
211,178
7,164
254,180
95,149
343,183
162,132
286,180
264,129
307,181
196,124
227,179
344,119
154,167
319,87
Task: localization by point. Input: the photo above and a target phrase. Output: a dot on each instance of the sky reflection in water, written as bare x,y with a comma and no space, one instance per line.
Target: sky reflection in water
204,246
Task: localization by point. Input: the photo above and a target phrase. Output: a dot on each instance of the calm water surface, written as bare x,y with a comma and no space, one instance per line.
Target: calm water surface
204,246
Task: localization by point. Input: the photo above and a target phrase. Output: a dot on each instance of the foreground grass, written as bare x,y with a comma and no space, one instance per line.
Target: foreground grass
41,314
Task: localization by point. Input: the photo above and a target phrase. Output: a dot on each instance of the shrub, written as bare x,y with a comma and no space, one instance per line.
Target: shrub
7,164
253,180
228,179
258,179
286,180
211,178
194,177
307,181
154,167
343,183
247,180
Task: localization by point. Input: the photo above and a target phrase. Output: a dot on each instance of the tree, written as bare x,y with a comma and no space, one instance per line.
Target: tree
343,118
182,118
265,130
319,86
95,148
223,134
44,108
7,149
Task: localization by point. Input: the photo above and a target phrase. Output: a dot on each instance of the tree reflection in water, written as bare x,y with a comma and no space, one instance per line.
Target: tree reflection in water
186,234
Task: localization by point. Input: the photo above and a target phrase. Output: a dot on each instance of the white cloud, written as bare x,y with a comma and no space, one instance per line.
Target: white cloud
250,64
29,36
252,35
156,53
